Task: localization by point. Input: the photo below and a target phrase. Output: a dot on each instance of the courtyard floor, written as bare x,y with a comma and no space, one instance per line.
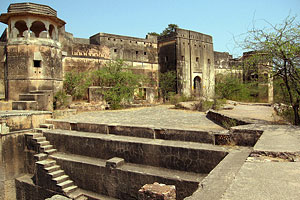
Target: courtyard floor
158,116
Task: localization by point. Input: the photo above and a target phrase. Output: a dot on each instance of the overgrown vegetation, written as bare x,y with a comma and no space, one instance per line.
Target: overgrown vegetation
280,45
116,80
120,83
77,83
233,88
167,84
170,29
60,100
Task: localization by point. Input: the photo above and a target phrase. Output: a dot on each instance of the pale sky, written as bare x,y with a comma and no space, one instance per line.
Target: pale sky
222,19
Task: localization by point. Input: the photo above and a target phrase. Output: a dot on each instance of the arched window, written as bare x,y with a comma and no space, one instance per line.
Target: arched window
52,31
37,27
21,27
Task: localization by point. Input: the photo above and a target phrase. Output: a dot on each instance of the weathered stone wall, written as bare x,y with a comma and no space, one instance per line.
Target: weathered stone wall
121,182
23,121
226,65
26,189
199,160
167,53
12,163
2,69
191,54
139,54
22,74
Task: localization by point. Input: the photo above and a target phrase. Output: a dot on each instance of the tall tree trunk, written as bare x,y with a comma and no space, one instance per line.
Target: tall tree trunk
296,113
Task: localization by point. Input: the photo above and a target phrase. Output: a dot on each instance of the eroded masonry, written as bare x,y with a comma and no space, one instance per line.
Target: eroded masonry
145,153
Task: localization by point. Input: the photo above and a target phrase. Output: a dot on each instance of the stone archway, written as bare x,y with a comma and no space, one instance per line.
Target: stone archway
21,27
197,86
37,28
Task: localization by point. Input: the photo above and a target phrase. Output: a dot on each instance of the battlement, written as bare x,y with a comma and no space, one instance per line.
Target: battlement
186,34
121,38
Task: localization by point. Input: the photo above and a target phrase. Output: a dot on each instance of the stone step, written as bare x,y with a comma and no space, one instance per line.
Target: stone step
50,151
81,197
39,130
46,147
24,105
46,163
29,97
33,135
65,184
61,179
43,143
39,139
40,91
90,195
47,126
77,195
70,189
186,152
52,168
40,157
57,174
186,182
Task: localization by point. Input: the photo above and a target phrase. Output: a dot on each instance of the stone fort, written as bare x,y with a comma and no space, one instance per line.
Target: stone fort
36,51
41,157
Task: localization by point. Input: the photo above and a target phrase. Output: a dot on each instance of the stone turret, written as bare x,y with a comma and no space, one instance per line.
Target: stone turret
33,49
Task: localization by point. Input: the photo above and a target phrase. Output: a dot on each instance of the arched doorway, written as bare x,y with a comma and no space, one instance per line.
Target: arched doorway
197,86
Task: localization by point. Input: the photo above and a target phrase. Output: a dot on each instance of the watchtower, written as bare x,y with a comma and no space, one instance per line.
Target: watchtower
33,49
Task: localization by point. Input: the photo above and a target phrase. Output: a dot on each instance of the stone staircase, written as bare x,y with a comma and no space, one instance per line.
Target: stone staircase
34,100
48,174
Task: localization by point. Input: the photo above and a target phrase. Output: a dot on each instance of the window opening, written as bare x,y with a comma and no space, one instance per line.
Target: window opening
37,63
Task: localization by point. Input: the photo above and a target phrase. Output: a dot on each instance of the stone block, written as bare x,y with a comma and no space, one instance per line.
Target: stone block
114,162
157,191
96,94
4,129
150,95
58,197
24,105
6,105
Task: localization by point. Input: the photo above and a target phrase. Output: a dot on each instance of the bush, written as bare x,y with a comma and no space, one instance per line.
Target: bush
230,87
60,100
167,84
218,104
119,81
204,105
76,84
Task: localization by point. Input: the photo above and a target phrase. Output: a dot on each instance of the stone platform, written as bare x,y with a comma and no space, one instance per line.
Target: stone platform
17,120
156,117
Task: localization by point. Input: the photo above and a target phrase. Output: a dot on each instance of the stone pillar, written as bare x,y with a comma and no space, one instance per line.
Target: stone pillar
270,89
28,23
157,191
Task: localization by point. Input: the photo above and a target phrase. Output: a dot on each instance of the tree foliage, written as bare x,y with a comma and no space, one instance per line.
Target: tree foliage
76,84
116,79
170,29
153,33
118,83
167,84
280,45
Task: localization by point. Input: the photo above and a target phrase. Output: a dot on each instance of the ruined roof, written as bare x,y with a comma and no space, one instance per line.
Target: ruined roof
31,7
25,9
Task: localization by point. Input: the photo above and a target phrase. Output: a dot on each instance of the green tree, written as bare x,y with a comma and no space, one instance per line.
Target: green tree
118,83
280,45
153,33
170,29
167,84
77,83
